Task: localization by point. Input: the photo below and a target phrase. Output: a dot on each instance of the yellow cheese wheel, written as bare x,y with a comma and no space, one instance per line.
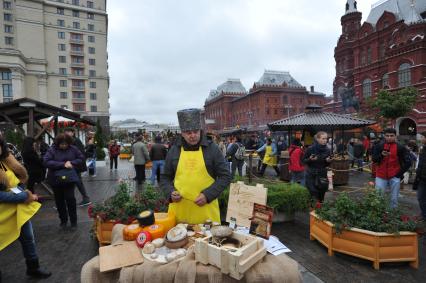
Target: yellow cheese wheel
168,220
130,232
156,231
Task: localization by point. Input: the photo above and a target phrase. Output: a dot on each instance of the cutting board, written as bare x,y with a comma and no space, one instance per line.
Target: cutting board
119,255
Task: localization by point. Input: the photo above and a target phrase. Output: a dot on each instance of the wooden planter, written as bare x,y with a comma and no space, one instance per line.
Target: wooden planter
340,177
125,156
104,231
373,246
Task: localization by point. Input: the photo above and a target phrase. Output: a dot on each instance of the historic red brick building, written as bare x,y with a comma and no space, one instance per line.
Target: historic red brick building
276,95
387,51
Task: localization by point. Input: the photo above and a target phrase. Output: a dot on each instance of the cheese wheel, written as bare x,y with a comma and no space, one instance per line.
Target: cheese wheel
168,220
156,231
146,218
130,232
142,238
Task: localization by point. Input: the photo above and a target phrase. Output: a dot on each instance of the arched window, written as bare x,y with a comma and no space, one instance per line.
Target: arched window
366,88
404,75
385,81
369,55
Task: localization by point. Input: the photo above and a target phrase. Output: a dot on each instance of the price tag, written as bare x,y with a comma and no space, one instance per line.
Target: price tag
16,190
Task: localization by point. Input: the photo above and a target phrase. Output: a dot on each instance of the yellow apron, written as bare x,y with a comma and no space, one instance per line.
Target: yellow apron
190,180
12,215
269,160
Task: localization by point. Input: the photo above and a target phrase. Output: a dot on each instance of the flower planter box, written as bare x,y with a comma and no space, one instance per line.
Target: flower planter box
103,231
373,246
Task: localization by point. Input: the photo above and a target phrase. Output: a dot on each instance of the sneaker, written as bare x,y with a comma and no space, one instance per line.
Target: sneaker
85,203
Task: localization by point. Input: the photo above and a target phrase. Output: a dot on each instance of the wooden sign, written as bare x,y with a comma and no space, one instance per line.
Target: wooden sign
241,202
119,255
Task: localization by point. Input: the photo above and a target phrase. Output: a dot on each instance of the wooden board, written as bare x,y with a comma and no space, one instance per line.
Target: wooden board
119,255
241,201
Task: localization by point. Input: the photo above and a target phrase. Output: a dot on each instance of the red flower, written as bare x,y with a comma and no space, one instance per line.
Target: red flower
318,205
90,211
405,218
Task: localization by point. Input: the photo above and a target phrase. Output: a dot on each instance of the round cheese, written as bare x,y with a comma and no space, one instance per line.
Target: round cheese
168,220
130,232
142,238
156,231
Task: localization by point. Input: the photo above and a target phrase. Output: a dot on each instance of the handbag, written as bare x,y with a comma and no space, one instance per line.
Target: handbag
65,176
321,183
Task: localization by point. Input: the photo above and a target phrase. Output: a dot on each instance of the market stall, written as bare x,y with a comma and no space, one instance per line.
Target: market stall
314,120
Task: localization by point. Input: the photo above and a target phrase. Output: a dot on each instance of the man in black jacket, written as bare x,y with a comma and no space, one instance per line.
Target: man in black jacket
195,173
157,154
420,181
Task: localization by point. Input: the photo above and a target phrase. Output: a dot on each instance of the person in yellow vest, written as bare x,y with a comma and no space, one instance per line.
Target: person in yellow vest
270,158
17,206
195,173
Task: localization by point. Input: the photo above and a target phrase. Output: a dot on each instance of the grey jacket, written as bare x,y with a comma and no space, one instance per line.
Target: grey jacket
140,153
215,164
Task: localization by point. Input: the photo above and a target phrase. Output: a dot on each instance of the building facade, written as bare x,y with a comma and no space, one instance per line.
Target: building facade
387,51
56,52
275,96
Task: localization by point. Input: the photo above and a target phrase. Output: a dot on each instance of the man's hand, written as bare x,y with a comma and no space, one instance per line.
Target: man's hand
31,197
313,157
201,200
176,197
68,164
329,159
385,153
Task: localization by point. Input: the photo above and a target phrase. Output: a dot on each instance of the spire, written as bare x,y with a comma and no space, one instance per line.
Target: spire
351,6
413,16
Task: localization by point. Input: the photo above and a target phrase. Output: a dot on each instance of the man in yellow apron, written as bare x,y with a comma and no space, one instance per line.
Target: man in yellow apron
195,173
270,158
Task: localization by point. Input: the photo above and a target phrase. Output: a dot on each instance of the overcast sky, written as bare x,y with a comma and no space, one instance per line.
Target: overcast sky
166,55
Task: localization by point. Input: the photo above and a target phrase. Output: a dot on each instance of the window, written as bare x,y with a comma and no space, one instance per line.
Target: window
79,107
78,95
76,25
61,34
90,4
62,71
8,17
404,75
91,16
76,13
8,40
92,62
76,2
8,29
77,36
91,38
63,95
369,55
62,59
385,81
93,96
7,90
362,57
93,108
92,84
60,11
62,83
91,27
6,75
92,73
77,71
77,60
78,83
61,47
366,88
7,5
60,23
64,106
92,50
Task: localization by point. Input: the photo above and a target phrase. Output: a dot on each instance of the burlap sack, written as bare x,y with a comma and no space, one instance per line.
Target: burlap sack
272,269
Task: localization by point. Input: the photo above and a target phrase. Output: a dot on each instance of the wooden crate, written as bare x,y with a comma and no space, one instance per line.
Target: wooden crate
103,231
234,262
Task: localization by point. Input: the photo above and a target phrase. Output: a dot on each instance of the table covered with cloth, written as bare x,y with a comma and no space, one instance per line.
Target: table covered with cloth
270,269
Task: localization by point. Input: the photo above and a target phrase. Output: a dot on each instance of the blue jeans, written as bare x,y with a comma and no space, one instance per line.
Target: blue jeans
421,197
298,177
27,241
394,184
155,165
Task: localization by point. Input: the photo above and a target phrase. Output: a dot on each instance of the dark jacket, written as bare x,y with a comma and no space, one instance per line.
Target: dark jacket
158,152
403,157
233,150
421,168
358,150
77,143
215,164
34,165
90,151
320,165
55,159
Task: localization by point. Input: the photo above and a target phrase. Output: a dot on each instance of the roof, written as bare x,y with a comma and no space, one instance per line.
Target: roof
17,111
401,8
230,86
277,78
315,118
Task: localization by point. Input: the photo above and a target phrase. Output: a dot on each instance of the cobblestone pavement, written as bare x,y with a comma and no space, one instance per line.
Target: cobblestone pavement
65,252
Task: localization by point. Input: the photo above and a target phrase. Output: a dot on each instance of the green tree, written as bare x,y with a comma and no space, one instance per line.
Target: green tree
391,105
100,141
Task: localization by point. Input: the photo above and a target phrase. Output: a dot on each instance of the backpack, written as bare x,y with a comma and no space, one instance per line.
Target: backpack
241,151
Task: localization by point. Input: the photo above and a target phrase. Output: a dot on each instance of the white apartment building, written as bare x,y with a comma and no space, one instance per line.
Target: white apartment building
56,52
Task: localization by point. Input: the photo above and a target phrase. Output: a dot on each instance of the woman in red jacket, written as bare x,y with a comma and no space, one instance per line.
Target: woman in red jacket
295,166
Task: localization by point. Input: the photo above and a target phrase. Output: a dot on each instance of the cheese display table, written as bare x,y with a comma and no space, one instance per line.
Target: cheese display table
270,269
